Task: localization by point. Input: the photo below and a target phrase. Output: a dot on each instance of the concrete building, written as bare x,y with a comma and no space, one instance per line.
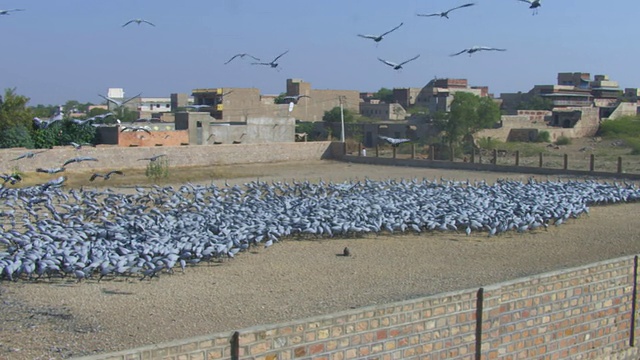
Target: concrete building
437,95
240,104
382,111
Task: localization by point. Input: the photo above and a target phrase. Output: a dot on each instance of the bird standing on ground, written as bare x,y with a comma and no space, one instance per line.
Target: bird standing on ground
378,38
533,4
138,21
475,49
346,252
396,66
273,62
446,13
242,55
8,12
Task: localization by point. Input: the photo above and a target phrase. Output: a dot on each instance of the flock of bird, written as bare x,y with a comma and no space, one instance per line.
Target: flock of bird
52,232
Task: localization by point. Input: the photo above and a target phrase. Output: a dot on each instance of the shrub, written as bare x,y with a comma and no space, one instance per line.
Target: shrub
489,143
16,136
563,140
157,169
624,126
543,136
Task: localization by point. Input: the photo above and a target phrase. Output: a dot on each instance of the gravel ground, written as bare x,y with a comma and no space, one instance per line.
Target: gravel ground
296,279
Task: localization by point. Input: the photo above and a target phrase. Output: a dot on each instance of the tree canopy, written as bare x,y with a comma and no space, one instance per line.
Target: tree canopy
333,115
469,114
384,95
14,111
536,103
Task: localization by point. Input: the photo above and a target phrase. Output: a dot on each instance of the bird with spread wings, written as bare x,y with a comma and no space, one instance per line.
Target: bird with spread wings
378,38
397,66
242,55
475,49
273,62
393,141
445,14
138,21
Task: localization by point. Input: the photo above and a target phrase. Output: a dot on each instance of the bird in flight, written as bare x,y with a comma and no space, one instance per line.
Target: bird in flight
135,128
394,142
474,49
153,158
294,98
533,4
398,66
118,103
445,14
51,171
106,176
28,155
378,38
241,56
138,21
8,12
78,159
273,62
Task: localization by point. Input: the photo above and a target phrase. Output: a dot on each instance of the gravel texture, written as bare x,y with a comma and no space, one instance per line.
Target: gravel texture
293,279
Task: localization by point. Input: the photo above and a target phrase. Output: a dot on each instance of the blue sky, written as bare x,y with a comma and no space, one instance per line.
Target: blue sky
74,49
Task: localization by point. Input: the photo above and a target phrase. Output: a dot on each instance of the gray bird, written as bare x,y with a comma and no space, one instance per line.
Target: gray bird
106,176
241,56
533,4
153,158
394,142
78,159
138,21
378,38
396,66
445,14
51,171
475,49
8,12
273,63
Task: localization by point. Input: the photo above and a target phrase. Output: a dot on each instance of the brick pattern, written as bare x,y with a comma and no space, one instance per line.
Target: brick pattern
584,312
570,314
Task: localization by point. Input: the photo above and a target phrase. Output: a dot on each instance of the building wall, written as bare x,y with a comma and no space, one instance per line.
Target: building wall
120,157
583,312
383,111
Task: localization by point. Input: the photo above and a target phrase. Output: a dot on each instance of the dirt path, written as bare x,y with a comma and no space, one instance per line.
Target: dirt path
295,279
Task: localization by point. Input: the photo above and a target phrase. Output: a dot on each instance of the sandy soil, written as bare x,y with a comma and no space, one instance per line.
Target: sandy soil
295,279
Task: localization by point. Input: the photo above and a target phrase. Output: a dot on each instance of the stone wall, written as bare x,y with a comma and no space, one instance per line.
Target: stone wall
584,312
118,157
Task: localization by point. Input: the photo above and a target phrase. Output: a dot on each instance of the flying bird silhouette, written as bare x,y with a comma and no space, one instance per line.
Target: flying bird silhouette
106,176
394,142
27,155
242,55
135,128
153,158
118,103
396,66
294,98
8,12
51,171
445,14
138,21
378,38
273,62
474,49
533,4
78,159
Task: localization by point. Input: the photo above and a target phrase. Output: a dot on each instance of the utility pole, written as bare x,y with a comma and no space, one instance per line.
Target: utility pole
341,119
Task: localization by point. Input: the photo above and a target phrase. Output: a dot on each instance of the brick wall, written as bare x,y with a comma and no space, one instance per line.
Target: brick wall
576,313
118,157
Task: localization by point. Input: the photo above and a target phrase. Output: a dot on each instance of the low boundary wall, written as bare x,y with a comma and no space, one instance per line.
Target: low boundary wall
585,312
116,157
451,165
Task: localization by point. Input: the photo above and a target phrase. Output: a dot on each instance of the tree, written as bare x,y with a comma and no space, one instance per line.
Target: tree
16,136
333,115
14,111
280,99
384,95
536,103
469,114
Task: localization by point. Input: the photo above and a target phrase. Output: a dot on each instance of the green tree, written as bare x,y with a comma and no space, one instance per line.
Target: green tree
333,115
469,114
384,95
280,99
16,136
536,103
14,111
97,111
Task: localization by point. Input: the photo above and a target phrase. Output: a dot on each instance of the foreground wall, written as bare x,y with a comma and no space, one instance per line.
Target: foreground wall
584,312
116,157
